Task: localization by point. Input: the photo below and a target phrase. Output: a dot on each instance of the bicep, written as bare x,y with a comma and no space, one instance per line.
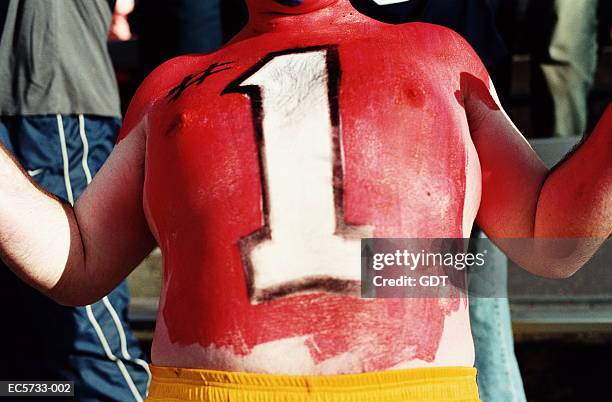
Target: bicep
512,173
110,215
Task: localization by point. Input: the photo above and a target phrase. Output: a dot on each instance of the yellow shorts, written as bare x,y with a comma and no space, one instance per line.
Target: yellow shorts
448,384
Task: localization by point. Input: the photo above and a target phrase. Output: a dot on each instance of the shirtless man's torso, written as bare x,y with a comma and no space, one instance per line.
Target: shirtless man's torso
268,160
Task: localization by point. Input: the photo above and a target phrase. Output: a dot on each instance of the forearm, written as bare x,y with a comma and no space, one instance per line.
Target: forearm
563,216
576,203
576,199
39,236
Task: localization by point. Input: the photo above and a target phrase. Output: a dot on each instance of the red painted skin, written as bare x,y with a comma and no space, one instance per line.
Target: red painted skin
406,144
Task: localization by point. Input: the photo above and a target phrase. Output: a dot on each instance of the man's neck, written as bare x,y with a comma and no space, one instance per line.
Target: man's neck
315,19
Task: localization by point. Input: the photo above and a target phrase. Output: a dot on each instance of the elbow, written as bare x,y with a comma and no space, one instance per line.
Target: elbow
62,299
73,298
563,273
76,287
557,258
73,301
553,271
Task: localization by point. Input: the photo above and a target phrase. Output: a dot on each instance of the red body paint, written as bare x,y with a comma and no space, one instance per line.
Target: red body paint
405,148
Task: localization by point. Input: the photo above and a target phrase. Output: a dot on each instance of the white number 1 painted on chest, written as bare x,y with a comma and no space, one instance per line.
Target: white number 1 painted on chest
305,244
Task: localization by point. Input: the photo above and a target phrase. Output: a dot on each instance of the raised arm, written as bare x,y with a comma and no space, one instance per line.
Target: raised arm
76,255
522,199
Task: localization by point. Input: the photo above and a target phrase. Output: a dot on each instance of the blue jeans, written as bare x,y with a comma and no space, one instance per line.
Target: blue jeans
41,340
499,378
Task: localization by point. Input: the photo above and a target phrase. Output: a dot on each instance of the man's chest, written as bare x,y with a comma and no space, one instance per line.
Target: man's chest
343,128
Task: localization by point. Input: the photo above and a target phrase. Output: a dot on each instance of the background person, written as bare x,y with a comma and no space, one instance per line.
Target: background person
563,62
59,117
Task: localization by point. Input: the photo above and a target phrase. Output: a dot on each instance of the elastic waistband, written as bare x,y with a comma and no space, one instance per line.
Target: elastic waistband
456,384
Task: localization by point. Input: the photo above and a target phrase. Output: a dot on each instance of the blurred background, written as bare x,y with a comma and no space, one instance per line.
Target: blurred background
561,345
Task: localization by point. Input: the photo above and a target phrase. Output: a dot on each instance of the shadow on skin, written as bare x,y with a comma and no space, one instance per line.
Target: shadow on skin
477,90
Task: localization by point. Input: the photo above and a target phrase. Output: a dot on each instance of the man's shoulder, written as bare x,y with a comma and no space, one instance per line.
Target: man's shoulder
158,84
431,35
169,74
441,45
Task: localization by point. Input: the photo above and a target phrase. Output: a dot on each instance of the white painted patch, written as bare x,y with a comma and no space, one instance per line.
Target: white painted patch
456,347
298,155
292,356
